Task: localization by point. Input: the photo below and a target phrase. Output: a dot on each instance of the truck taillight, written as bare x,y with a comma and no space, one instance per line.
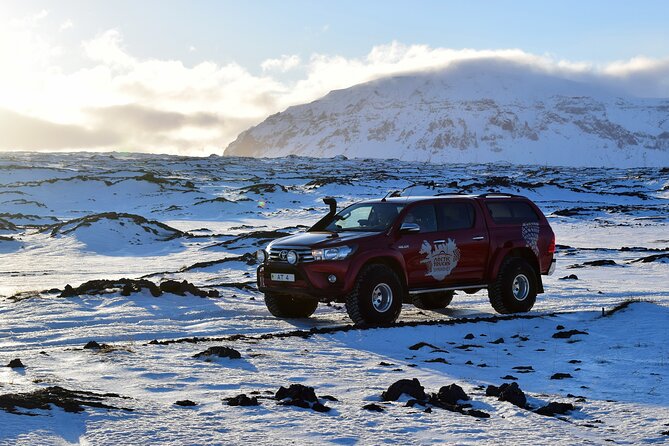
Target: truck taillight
551,246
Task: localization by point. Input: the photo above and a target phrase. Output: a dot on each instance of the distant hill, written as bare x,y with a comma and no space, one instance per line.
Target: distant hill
476,111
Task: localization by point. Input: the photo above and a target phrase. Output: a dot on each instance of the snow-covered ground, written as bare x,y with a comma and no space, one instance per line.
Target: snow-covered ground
70,218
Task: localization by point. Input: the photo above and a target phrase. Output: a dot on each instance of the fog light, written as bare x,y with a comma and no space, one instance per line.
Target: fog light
332,278
291,257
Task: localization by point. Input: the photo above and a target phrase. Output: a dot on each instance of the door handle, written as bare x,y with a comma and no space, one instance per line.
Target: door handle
478,237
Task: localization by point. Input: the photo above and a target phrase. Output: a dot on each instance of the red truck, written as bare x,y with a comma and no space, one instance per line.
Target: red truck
376,255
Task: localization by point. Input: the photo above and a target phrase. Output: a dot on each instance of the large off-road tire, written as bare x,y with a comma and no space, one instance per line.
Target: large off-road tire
289,307
515,288
376,298
433,301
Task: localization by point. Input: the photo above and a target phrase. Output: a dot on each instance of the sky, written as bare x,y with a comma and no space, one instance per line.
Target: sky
188,76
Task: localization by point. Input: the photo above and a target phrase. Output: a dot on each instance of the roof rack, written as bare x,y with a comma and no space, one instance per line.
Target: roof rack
497,194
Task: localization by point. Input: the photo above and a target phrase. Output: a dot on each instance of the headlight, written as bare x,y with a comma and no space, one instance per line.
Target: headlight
338,253
291,257
261,255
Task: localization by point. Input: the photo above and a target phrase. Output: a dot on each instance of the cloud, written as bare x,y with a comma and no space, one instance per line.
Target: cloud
67,24
21,132
282,64
107,49
116,100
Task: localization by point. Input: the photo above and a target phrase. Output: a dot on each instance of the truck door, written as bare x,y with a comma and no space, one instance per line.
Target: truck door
465,239
416,245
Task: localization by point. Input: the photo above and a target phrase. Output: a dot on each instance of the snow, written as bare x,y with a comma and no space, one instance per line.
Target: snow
622,373
470,112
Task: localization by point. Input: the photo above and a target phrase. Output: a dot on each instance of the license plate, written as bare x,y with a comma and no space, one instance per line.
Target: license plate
281,277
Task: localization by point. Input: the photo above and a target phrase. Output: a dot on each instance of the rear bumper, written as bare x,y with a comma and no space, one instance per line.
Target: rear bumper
551,269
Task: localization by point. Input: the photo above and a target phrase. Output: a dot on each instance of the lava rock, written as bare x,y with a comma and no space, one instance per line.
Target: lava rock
68,400
221,352
554,408
409,387
420,345
477,413
242,400
186,403
451,394
94,345
567,334
508,392
373,407
15,364
300,396
561,376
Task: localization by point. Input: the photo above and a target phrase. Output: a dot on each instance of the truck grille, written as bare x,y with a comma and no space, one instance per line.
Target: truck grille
303,255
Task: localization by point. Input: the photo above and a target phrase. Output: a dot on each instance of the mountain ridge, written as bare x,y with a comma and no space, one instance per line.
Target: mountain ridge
475,111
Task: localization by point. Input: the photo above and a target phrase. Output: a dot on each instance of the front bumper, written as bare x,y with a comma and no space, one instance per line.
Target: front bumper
311,279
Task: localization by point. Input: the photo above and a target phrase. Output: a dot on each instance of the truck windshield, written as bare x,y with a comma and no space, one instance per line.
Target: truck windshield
365,217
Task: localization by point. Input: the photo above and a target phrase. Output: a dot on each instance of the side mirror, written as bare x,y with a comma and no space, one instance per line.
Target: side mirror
409,228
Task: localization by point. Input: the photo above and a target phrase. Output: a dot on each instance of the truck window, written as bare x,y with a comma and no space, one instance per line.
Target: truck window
424,216
365,217
511,212
454,216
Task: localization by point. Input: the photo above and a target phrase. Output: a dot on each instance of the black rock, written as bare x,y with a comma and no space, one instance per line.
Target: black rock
603,262
567,334
498,341
297,392
409,387
222,352
318,407
561,376
508,392
373,407
242,400
186,403
15,364
477,413
420,345
559,327
93,345
469,336
569,277
554,408
510,377
451,394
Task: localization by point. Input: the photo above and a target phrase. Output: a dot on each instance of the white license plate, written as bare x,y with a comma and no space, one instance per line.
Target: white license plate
280,277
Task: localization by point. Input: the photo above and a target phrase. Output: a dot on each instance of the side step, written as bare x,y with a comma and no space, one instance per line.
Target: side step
450,288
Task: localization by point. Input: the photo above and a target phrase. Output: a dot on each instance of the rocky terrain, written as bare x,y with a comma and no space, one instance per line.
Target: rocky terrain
128,310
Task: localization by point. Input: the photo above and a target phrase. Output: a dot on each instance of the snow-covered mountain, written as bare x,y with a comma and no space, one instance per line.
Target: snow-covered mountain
477,111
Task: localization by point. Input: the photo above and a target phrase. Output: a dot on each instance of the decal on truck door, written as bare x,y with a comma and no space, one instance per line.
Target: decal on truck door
530,233
441,258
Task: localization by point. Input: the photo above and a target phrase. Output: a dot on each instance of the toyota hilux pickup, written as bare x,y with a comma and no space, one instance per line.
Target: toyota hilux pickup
376,255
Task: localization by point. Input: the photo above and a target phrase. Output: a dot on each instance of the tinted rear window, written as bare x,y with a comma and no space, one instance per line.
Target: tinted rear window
510,212
454,216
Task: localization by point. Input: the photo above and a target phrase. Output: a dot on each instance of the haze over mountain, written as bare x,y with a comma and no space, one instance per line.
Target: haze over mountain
472,111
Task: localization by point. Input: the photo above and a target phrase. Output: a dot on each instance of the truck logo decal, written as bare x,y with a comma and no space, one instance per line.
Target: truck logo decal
530,232
441,258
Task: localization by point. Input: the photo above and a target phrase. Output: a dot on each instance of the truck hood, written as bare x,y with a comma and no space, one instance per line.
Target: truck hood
320,239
